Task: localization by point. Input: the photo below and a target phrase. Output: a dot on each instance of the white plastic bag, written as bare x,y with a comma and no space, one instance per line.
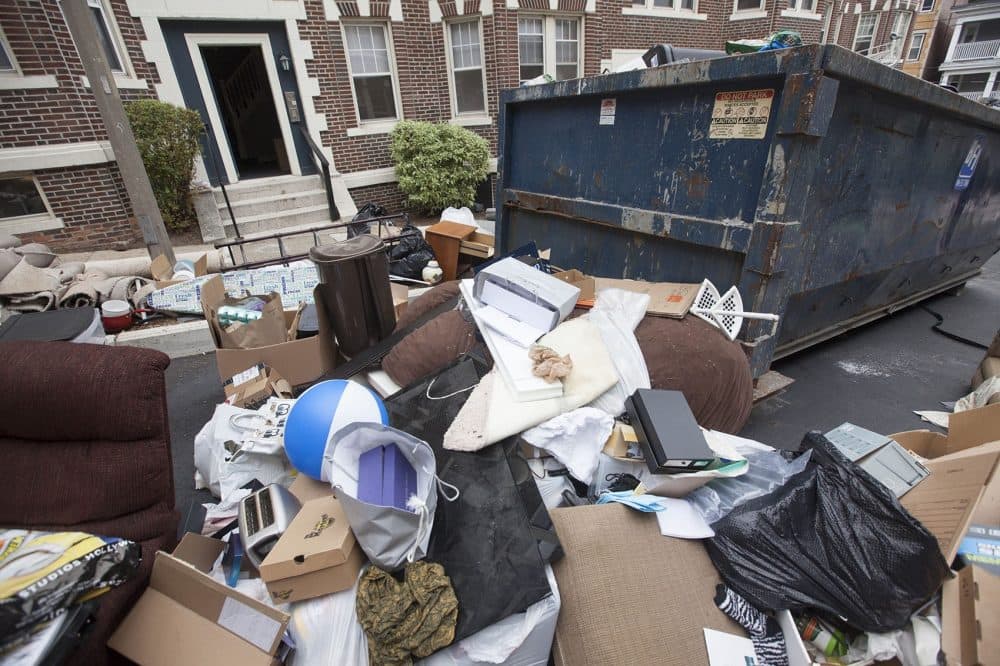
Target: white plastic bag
326,631
574,438
616,314
460,215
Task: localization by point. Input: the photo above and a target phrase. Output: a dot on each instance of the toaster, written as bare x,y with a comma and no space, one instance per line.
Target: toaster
264,517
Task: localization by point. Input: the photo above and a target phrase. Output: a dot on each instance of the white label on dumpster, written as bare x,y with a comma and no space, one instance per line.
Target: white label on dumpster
608,111
741,114
969,165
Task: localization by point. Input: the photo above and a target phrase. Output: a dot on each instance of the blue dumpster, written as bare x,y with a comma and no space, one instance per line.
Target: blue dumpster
829,188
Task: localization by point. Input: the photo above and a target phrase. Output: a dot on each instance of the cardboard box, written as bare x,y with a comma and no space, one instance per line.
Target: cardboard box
586,284
970,618
400,298
186,617
298,361
629,594
316,555
306,489
252,387
964,484
666,299
621,441
162,271
272,328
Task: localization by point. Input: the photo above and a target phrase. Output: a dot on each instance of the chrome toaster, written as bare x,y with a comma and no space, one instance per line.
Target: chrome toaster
264,517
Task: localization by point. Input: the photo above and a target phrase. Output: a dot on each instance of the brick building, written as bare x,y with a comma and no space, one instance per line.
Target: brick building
268,75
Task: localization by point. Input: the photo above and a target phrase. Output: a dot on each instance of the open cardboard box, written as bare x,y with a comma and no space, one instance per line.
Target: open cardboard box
316,555
400,298
186,617
586,284
963,488
163,272
298,361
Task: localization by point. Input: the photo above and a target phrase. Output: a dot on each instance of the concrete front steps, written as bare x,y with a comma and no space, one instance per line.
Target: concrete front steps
266,205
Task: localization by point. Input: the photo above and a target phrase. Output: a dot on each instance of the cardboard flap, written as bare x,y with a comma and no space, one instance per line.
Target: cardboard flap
958,626
319,537
973,427
199,551
161,632
247,618
986,596
305,489
924,443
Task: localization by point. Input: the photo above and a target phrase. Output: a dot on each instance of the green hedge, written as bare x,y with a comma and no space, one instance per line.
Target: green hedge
167,137
438,165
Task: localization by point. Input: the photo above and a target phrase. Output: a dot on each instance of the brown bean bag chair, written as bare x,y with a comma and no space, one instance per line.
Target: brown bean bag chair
434,345
694,357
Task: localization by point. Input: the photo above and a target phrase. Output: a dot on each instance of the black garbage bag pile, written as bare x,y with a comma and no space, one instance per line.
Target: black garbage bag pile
409,255
831,540
359,224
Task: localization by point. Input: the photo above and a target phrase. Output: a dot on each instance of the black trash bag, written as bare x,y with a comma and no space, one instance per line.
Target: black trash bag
409,255
832,540
358,225
496,538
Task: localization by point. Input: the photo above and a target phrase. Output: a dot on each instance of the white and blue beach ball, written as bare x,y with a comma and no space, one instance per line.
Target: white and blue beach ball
322,410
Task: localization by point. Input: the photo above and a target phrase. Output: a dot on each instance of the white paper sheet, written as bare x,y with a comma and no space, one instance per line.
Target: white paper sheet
729,650
680,520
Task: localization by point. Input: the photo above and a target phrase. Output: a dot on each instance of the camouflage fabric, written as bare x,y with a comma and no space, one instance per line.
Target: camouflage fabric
408,619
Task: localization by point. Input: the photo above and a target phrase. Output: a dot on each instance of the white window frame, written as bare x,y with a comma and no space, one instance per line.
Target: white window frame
467,118
967,28
674,11
901,41
14,79
871,41
126,78
921,9
748,14
795,10
23,224
923,41
382,125
549,40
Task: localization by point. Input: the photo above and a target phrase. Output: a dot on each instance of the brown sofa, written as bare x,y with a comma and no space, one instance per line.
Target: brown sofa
85,444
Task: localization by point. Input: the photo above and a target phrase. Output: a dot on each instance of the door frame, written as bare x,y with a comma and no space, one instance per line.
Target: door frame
194,43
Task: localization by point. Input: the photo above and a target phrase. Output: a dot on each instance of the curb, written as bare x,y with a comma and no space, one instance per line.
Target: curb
176,340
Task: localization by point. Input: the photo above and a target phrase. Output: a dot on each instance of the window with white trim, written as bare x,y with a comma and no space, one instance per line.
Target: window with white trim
743,6
897,37
373,79
926,5
20,197
468,80
549,45
865,32
675,5
7,62
107,35
916,45
802,5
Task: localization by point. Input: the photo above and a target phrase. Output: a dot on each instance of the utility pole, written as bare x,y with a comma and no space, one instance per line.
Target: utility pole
109,103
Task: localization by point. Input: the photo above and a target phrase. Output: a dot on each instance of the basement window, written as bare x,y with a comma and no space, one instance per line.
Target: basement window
23,207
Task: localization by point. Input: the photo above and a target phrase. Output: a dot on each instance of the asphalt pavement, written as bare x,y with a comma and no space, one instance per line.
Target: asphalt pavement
874,376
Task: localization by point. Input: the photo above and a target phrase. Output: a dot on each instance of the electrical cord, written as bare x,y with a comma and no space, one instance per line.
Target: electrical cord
958,338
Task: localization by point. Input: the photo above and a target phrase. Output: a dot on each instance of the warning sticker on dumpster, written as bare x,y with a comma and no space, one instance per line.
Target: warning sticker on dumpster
741,114
969,165
608,107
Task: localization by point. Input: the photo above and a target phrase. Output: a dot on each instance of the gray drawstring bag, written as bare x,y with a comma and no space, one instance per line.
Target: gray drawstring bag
390,537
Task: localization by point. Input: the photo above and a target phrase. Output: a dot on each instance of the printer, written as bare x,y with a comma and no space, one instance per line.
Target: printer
525,294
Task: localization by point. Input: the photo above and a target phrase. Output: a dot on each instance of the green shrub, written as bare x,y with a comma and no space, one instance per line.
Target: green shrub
438,165
167,137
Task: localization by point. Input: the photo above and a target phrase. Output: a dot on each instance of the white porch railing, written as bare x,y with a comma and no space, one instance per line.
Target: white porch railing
889,54
989,48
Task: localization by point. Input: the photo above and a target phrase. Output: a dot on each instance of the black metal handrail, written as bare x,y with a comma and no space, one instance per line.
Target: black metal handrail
325,168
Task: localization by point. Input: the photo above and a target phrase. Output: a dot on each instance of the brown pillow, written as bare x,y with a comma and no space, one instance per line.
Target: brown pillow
430,348
426,302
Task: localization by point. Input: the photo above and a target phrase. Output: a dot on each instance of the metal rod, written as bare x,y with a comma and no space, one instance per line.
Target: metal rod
209,141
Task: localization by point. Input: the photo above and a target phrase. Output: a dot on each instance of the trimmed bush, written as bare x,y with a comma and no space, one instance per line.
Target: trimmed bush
438,165
167,137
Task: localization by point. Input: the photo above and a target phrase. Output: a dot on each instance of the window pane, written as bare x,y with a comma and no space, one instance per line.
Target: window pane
916,46
465,49
863,34
5,61
531,50
104,37
663,3
564,72
687,4
469,91
375,99
927,5
531,71
747,5
367,49
352,37
806,5
365,36
19,196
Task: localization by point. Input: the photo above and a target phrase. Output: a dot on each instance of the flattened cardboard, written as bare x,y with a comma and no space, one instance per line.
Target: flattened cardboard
163,272
630,595
666,299
185,616
964,484
251,393
298,361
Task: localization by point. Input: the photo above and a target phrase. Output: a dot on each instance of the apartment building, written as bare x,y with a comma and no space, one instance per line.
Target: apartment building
282,83
972,63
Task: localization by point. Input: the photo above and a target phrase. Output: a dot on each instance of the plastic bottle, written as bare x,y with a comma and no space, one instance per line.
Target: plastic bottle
833,643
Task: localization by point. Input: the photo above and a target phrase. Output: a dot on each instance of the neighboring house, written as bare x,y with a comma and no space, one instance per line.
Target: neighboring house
972,63
272,77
